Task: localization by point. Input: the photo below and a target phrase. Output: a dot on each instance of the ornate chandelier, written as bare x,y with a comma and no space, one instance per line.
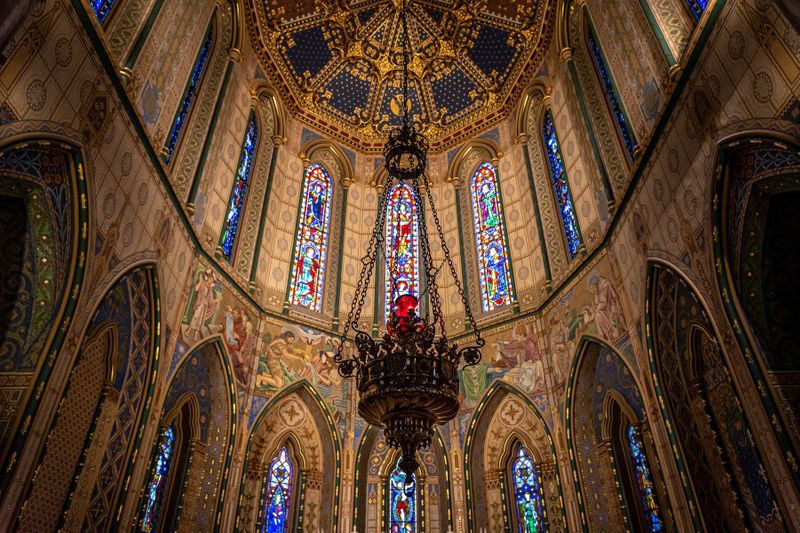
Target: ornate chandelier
408,379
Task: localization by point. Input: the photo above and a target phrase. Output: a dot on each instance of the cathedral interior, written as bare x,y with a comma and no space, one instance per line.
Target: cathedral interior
188,189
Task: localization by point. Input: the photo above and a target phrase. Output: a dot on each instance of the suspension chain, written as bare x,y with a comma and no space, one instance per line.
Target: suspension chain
446,249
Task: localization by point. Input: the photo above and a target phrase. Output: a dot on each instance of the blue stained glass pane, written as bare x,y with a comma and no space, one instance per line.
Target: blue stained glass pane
154,492
697,7
278,494
311,243
493,264
644,481
611,93
240,183
558,175
402,245
402,502
188,98
527,495
102,8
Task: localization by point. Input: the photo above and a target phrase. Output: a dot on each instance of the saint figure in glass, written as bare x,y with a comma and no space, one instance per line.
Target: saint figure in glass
643,480
311,243
402,245
402,502
278,494
493,264
527,497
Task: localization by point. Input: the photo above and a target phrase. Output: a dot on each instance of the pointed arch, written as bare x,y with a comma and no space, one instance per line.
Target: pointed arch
375,463
103,408
603,401
503,414
43,178
756,172
303,412
707,423
200,400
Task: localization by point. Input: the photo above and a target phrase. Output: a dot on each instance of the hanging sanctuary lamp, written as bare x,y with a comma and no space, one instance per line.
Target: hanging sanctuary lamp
407,380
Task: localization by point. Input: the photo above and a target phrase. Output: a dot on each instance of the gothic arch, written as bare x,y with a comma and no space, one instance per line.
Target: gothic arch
755,172
506,413
299,414
602,393
201,394
333,161
375,461
702,411
102,411
43,177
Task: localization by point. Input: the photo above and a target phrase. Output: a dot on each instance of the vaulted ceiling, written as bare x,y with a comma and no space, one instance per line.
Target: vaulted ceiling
338,62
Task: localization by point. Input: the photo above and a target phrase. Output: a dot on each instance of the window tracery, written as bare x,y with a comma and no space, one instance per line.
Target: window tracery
529,511
311,241
494,268
277,494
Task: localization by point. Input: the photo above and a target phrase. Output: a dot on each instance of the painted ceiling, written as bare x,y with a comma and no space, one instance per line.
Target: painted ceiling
338,63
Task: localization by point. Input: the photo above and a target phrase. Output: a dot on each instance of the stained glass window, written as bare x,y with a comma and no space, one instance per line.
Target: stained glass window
278,494
311,243
563,195
154,492
493,265
102,8
240,183
611,93
402,245
527,495
644,481
402,502
697,7
189,95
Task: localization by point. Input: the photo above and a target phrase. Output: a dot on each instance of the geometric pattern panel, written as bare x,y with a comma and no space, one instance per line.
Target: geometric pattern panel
339,63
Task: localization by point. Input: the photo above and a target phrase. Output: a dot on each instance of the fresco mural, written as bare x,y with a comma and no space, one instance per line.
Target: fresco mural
593,307
212,309
290,353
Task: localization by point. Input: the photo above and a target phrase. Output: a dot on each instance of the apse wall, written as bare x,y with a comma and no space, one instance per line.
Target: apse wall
693,92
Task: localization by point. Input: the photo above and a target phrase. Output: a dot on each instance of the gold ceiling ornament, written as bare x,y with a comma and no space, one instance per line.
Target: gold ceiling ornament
469,62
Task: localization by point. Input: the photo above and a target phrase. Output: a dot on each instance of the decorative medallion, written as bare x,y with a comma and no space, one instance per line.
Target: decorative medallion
339,64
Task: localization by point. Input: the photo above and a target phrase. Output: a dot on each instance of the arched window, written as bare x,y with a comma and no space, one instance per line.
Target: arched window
529,511
610,90
697,7
239,192
277,494
644,481
311,242
493,264
189,94
102,8
402,502
402,245
154,492
558,175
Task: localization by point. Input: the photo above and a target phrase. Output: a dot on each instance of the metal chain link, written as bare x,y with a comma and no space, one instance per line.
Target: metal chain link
452,268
